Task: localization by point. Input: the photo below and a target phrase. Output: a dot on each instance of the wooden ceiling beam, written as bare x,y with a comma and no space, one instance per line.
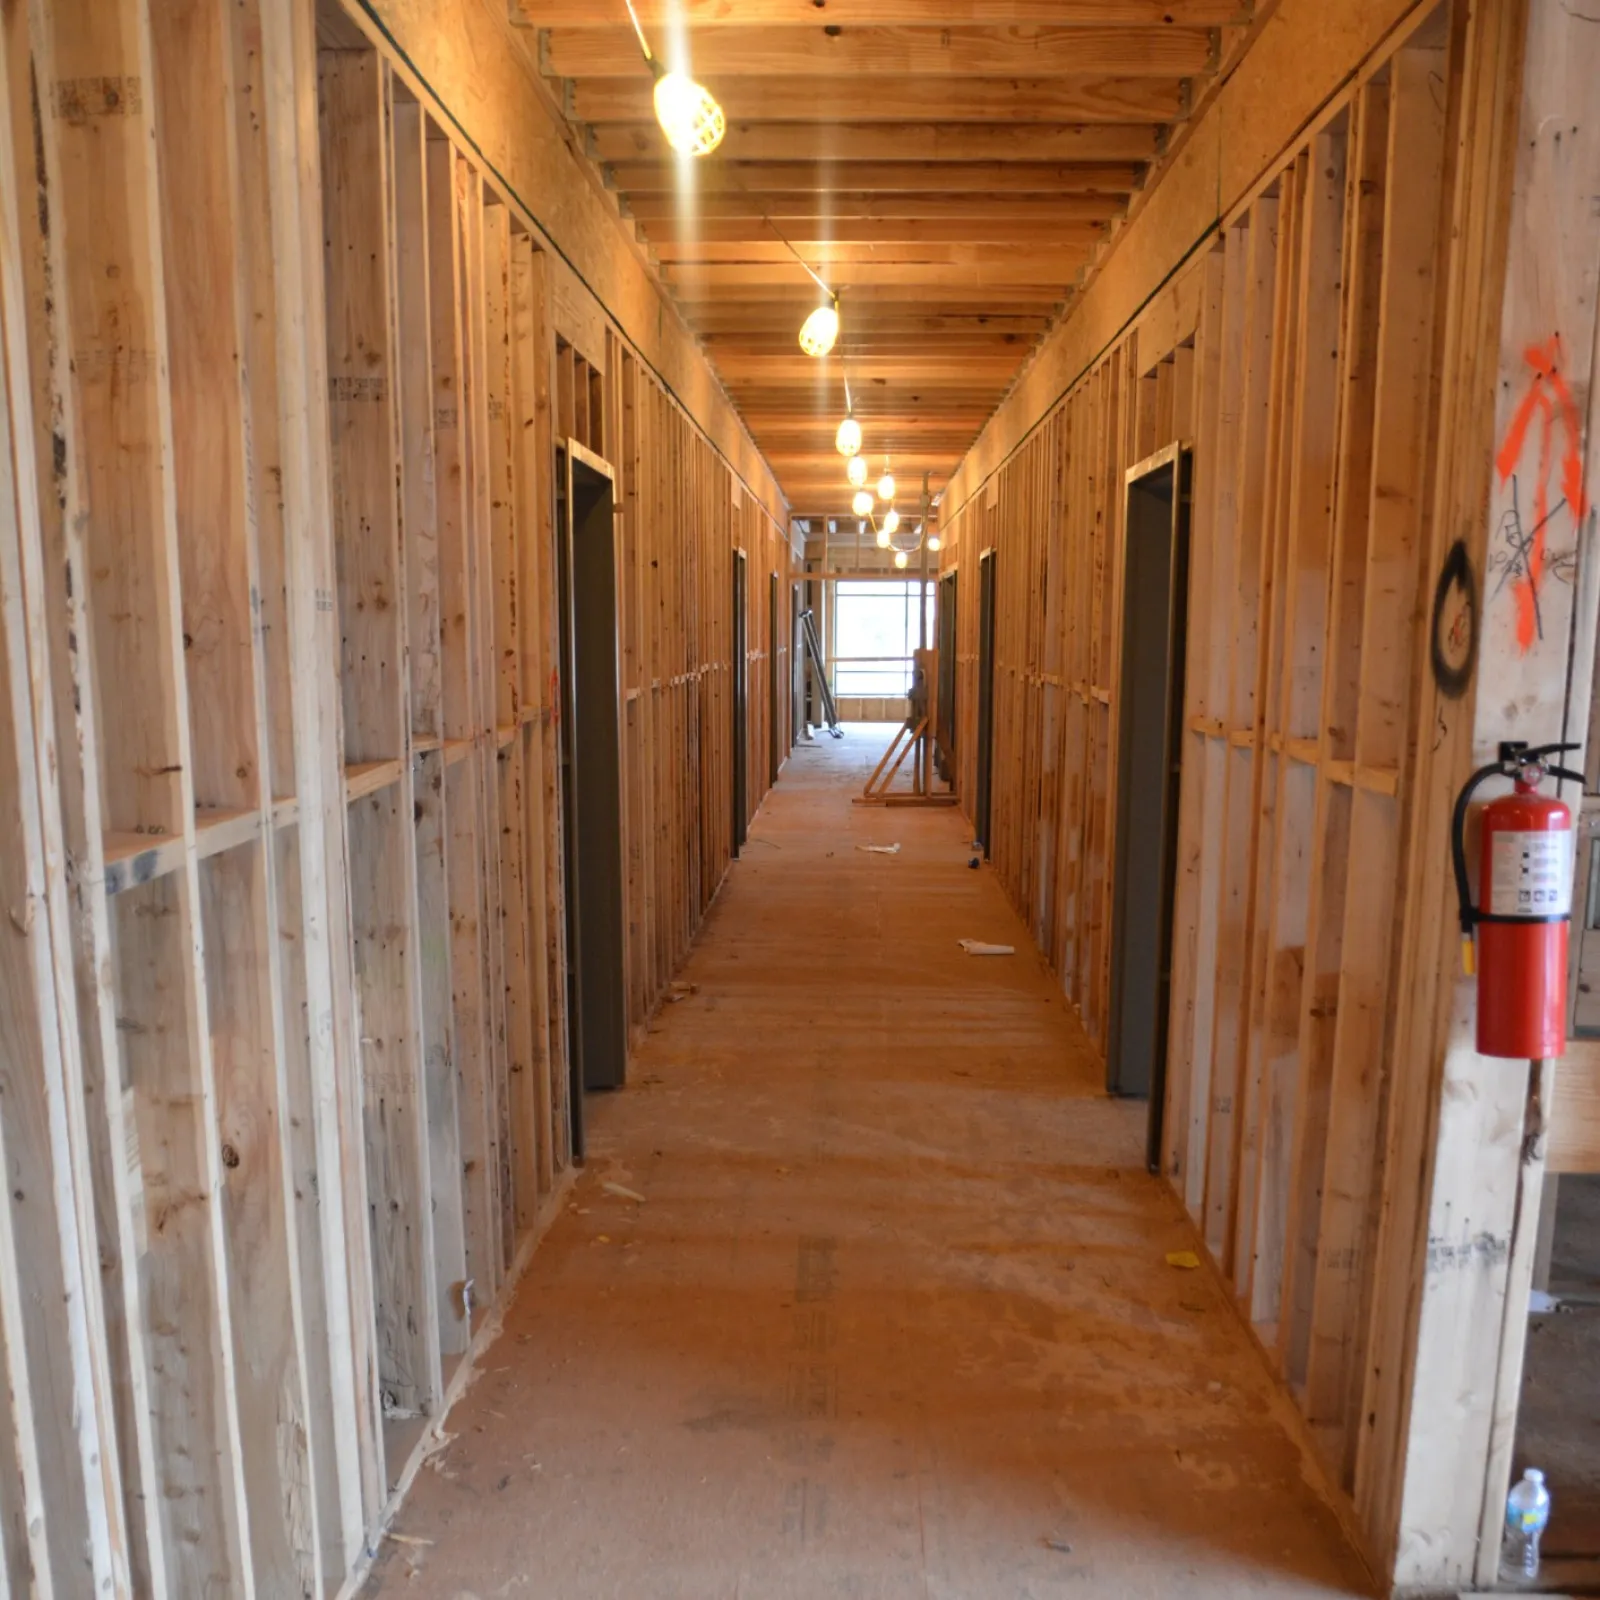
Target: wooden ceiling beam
770,346
816,496
796,214
850,143
662,232
1023,273
1035,50
831,258
780,420
797,291
817,464
906,466
715,320
908,399
933,366
747,180
785,446
627,98
884,13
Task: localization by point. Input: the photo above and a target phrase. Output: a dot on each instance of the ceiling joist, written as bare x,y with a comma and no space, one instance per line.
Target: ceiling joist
852,144
1039,50
898,99
1022,271
698,14
768,179
948,167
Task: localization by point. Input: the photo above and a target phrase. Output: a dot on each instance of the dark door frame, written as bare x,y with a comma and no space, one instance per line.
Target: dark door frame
774,688
1155,605
591,777
739,710
982,800
948,617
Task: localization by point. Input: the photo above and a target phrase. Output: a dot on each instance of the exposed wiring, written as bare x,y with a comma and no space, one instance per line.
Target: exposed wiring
638,28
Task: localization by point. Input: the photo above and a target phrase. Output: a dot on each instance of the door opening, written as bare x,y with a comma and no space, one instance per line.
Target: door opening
985,751
944,743
591,776
741,701
774,688
1155,594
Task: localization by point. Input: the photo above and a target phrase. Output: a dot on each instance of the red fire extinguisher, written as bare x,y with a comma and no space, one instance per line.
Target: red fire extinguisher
1525,890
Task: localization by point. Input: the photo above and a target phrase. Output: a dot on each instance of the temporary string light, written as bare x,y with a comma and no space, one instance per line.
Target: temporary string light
847,441
891,522
862,504
886,482
935,543
856,471
819,333
901,558
688,112
883,538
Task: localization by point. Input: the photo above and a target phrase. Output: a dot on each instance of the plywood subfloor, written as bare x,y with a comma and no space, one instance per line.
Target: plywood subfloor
893,1321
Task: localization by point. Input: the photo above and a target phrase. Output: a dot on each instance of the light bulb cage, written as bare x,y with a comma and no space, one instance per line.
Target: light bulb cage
819,333
690,117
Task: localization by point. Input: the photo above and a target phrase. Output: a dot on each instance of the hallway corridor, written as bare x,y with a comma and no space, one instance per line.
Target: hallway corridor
893,1318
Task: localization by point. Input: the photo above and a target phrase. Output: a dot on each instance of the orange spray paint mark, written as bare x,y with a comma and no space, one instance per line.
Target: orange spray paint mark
1549,398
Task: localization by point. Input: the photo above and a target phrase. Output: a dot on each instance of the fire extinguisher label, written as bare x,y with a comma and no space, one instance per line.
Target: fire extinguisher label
1532,875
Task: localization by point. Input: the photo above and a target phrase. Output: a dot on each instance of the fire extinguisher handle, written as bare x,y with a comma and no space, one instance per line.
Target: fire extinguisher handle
1514,753
1458,842
1567,775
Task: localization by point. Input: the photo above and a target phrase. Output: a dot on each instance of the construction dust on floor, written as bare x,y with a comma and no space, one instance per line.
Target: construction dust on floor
894,1316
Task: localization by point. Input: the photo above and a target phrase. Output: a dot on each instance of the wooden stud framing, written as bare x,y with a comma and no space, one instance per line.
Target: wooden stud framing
286,1063
1302,355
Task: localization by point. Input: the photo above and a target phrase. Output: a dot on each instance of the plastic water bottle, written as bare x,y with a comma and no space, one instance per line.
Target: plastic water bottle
1527,1513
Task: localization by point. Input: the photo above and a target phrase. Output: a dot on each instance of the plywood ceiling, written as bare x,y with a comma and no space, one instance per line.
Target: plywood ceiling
948,166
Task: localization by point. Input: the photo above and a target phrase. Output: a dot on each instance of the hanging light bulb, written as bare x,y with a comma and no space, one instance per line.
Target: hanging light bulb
688,113
862,504
900,558
856,471
935,542
891,520
886,484
847,441
883,538
820,331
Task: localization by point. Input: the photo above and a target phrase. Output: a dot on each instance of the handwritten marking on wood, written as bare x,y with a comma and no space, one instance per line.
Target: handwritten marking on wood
1521,554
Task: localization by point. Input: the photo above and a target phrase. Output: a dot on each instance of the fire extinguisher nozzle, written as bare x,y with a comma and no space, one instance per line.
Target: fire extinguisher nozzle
1469,961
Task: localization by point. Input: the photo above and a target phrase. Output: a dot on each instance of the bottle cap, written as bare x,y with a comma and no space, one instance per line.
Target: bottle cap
1533,1475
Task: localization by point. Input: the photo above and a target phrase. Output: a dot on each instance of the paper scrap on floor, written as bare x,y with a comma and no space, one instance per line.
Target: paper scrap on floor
976,947
880,849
